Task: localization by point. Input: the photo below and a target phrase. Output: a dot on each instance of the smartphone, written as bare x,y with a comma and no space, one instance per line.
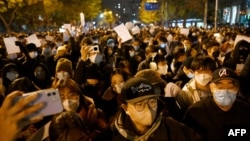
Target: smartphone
95,48
52,99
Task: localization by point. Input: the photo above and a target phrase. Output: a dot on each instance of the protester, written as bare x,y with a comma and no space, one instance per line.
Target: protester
197,88
75,101
214,116
111,98
10,72
185,73
41,76
68,126
140,116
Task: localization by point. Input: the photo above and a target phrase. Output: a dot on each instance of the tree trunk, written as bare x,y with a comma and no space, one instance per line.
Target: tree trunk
205,14
7,24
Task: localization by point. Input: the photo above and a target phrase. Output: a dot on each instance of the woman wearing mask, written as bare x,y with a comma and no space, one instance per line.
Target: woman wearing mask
185,73
213,51
111,99
73,100
10,73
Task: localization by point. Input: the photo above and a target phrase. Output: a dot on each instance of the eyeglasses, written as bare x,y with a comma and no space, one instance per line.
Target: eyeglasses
140,106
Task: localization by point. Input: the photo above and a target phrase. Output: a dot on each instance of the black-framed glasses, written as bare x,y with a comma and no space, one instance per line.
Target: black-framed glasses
140,106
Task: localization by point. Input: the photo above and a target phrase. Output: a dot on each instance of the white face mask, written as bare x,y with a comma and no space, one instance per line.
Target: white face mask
33,54
136,47
62,75
163,69
224,97
118,88
131,53
190,75
203,79
153,65
111,44
46,51
12,75
145,117
70,105
96,58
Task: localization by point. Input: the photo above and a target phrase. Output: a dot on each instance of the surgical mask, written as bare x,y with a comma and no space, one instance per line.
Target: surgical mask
136,47
225,97
96,58
131,53
163,45
46,51
163,69
70,105
33,54
190,75
111,44
145,117
62,75
53,51
118,88
153,65
12,75
203,79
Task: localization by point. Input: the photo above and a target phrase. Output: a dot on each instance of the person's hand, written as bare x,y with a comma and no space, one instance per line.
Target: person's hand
119,40
85,50
13,115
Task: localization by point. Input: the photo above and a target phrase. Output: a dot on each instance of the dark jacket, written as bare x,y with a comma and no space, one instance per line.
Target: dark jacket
207,118
245,79
180,78
168,130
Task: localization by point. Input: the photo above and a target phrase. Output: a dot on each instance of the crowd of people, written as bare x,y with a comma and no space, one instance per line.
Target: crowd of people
160,85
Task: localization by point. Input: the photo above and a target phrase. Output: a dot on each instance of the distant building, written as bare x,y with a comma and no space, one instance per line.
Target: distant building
126,10
234,12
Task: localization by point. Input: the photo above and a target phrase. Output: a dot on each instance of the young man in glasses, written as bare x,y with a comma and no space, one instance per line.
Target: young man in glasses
140,117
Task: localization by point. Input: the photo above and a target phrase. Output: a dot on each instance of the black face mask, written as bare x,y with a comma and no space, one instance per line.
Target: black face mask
216,53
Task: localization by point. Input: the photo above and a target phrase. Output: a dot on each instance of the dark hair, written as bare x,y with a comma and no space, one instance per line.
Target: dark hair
212,43
203,62
178,51
86,40
6,68
22,84
238,51
74,87
61,125
121,72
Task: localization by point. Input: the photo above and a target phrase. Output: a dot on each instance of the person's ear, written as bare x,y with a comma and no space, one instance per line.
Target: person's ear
125,108
211,86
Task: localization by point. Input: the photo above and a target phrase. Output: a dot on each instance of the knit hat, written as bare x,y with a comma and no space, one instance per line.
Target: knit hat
224,73
64,64
137,89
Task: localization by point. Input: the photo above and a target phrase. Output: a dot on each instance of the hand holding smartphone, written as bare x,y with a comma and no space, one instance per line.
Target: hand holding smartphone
50,97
